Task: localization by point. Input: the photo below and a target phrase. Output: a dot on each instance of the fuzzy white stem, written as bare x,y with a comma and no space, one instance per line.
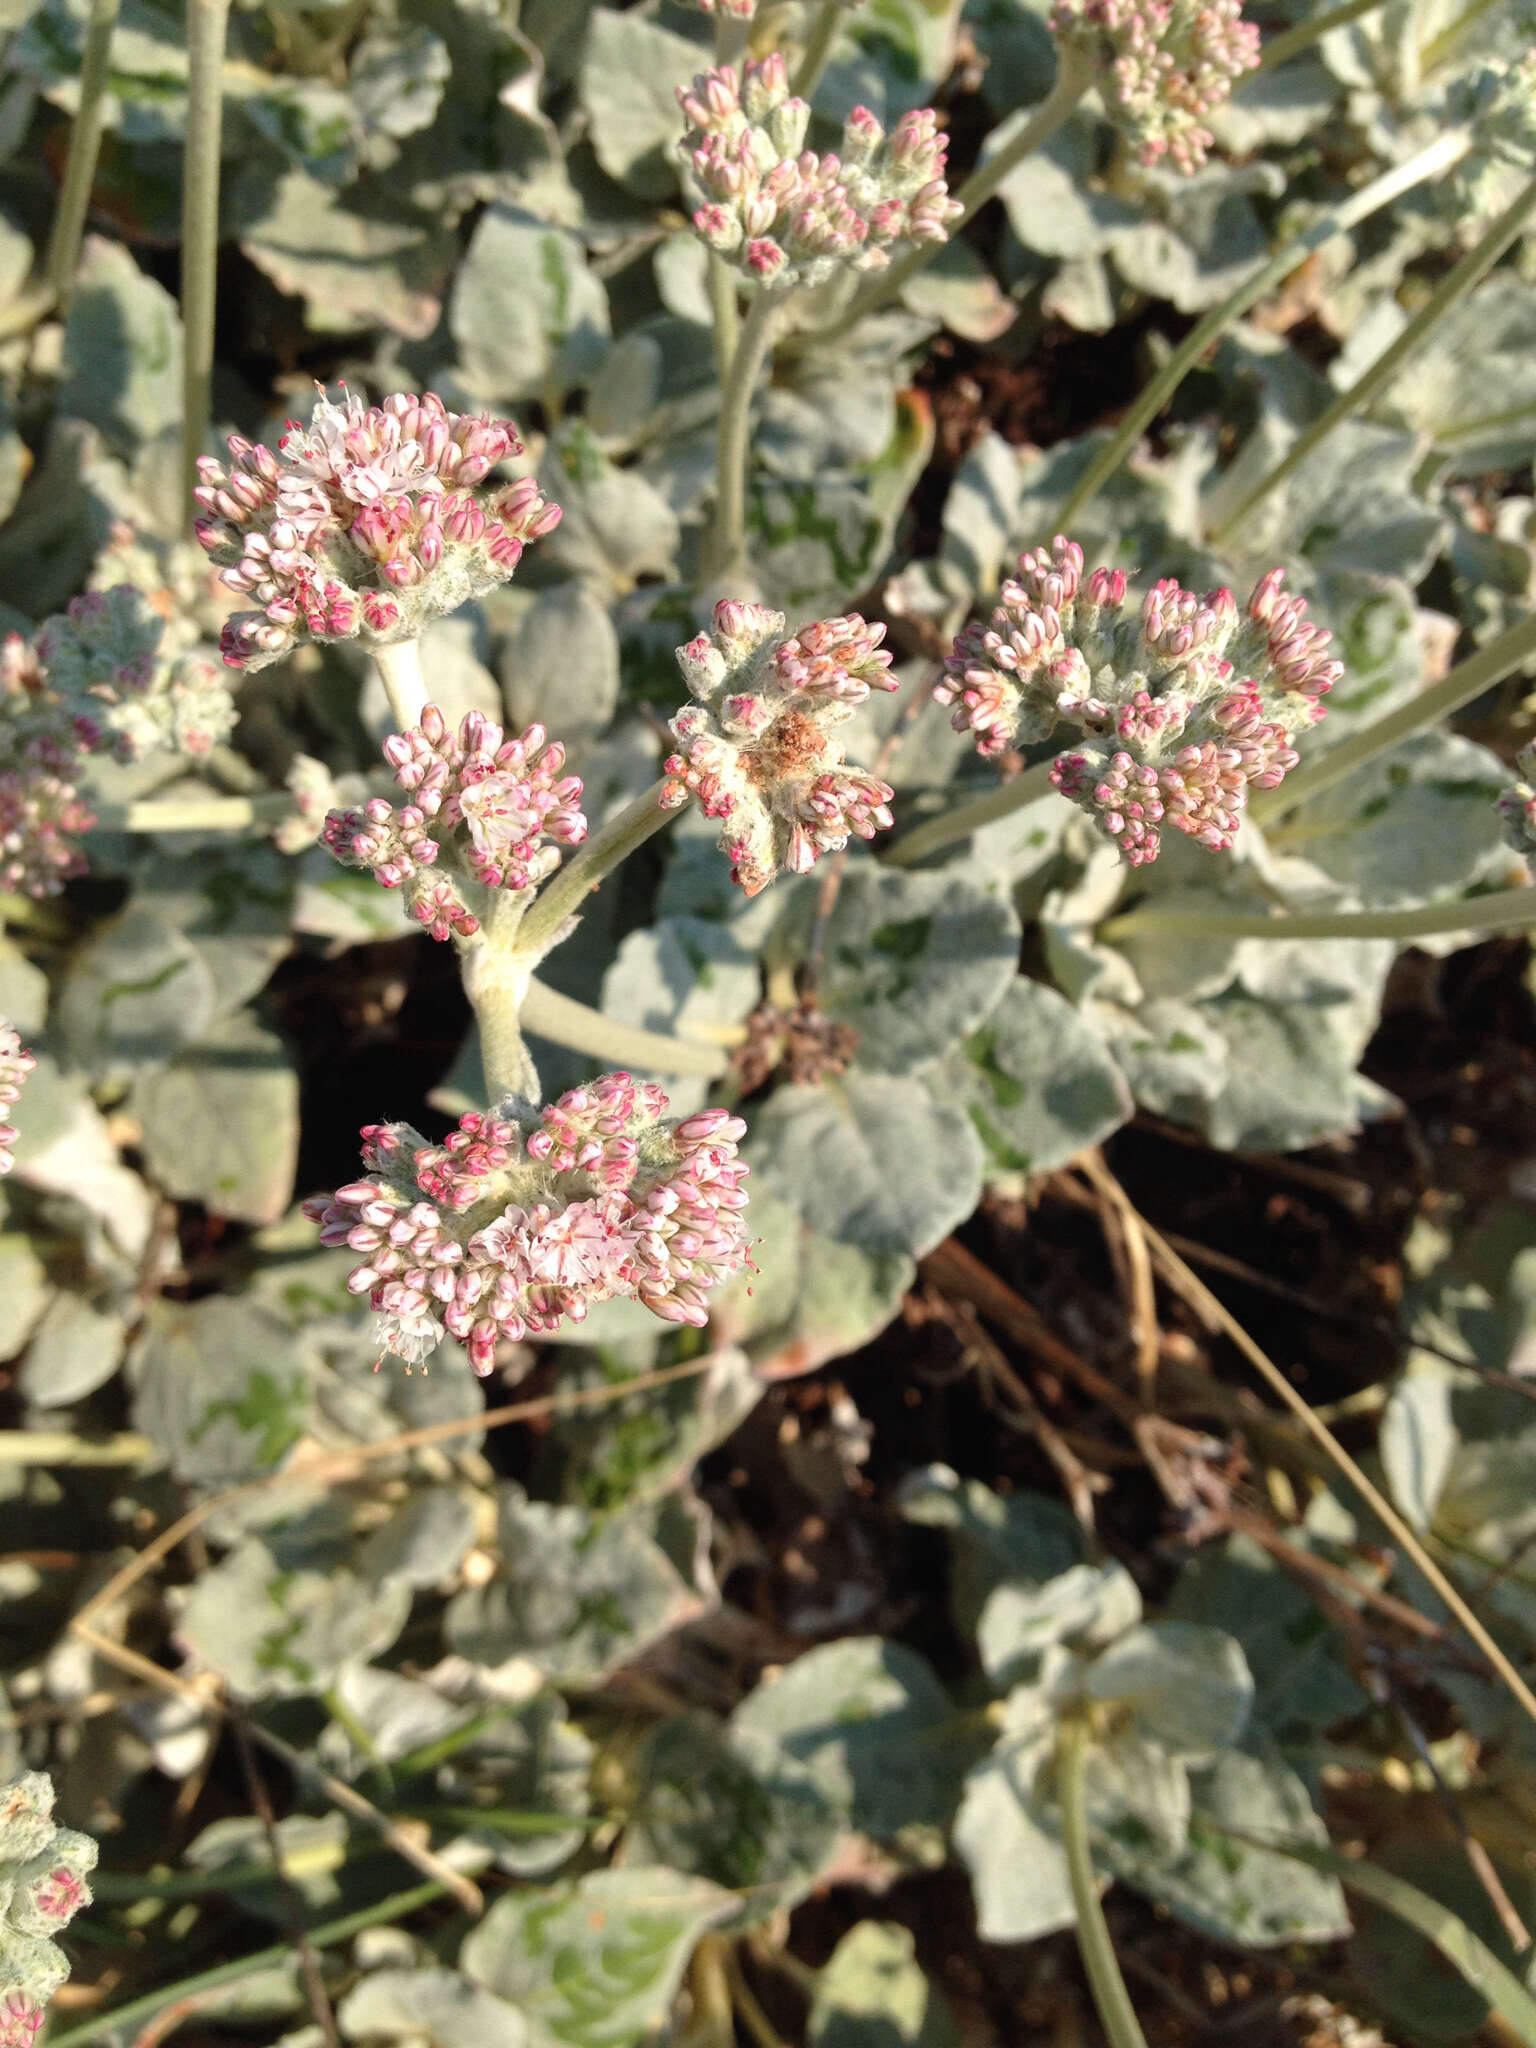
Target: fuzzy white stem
399,667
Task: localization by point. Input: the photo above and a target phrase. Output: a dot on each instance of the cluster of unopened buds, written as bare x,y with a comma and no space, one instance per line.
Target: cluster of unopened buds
15,1065
525,1217
480,809
42,813
1184,703
756,746
365,524
1517,804
1166,64
786,216
106,661
43,1871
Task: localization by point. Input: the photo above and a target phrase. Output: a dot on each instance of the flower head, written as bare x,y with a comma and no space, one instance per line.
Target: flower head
1168,63
365,524
42,813
43,1871
15,1065
105,659
21,2020
756,746
1184,703
786,216
1517,804
482,810
524,1218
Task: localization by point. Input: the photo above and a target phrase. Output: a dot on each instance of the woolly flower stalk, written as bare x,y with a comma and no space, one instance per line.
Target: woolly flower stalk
15,1065
42,813
43,1869
1166,65
1517,804
526,1217
481,809
365,524
105,659
784,215
756,746
1185,703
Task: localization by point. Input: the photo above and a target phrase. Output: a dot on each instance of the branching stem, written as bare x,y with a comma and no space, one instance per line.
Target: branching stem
1415,337
1503,911
1292,41
207,23
1430,162
818,49
908,848
573,1024
399,667
84,148
728,544
563,895
1116,2013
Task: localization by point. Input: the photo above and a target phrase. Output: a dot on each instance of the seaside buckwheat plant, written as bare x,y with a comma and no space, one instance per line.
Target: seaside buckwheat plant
15,1065
43,1871
482,811
43,815
786,216
1185,703
524,1218
1166,65
365,524
756,746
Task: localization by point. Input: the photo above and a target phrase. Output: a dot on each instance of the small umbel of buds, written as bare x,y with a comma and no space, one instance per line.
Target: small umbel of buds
480,814
786,216
43,1871
1165,65
15,1065
756,746
1184,703
1517,804
525,1217
42,813
105,659
365,524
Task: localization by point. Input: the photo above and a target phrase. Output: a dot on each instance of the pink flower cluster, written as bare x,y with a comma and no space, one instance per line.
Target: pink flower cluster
756,746
365,524
524,1218
15,1065
42,813
1170,62
1185,703
481,810
105,659
1517,804
783,214
21,2020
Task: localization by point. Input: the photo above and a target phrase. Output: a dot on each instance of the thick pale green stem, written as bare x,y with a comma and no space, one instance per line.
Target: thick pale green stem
562,897
1442,45
1515,646
207,22
399,667
910,847
1430,162
1506,910
1279,49
496,982
726,313
727,549
197,814
818,49
1117,2015
1074,75
84,147
573,1024
1417,335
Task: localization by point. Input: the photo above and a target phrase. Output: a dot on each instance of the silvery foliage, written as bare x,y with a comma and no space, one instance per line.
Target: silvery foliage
493,210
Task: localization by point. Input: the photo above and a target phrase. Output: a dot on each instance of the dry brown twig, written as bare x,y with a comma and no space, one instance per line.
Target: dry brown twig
1129,1240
